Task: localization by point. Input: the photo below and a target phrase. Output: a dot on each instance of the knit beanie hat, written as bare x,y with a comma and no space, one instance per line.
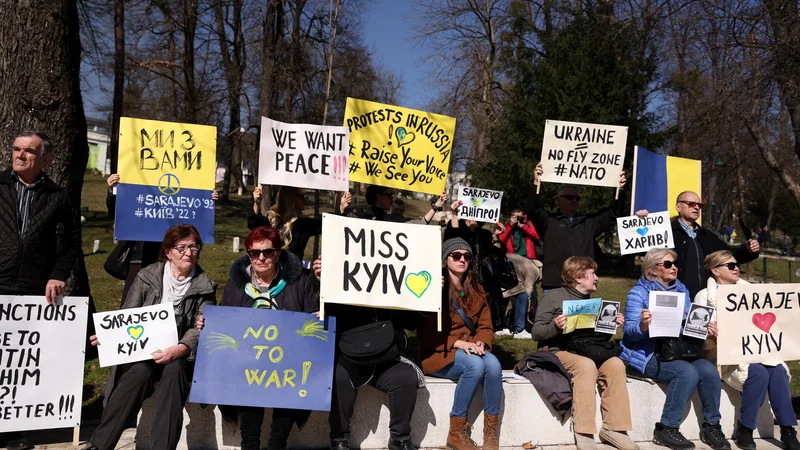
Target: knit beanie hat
451,245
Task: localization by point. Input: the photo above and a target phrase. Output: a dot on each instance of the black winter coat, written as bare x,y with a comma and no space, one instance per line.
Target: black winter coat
50,246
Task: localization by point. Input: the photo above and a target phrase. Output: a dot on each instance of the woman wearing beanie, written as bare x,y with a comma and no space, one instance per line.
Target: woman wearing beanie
462,350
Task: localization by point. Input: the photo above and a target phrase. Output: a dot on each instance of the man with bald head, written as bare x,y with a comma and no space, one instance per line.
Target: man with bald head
693,243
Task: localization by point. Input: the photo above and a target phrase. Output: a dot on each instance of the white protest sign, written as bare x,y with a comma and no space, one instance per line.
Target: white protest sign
381,264
482,205
666,311
304,156
638,235
758,323
583,153
134,334
41,362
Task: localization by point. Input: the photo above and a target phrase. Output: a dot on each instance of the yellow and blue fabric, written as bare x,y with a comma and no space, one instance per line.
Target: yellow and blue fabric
660,178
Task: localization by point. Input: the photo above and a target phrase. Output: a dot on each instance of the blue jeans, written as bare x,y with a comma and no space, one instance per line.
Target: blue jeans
683,378
470,371
520,311
760,380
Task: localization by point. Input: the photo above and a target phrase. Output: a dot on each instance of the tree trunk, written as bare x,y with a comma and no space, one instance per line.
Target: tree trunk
773,195
190,89
119,80
271,49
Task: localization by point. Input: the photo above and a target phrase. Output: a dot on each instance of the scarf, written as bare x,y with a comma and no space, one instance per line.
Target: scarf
658,286
264,296
173,289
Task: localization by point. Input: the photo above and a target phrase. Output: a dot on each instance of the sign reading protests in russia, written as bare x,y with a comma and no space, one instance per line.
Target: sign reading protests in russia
398,147
482,205
758,323
638,235
583,153
266,358
167,172
134,334
304,156
41,362
381,264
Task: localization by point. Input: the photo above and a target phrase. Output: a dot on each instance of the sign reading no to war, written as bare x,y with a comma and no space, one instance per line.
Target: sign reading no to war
381,264
167,172
41,362
638,235
304,156
134,334
398,147
266,358
758,323
583,153
482,205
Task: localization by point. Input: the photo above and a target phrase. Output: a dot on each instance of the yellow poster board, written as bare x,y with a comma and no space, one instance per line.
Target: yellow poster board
398,147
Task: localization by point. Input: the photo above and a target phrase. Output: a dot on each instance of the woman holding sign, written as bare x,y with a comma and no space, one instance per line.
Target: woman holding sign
589,356
659,273
462,351
754,381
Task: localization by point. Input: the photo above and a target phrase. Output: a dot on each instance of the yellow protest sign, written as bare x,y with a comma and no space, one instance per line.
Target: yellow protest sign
399,147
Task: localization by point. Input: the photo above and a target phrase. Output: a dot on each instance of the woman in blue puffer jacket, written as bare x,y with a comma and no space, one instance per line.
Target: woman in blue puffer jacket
659,273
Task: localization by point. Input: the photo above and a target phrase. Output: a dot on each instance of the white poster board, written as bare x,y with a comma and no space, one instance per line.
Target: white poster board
583,153
758,323
304,156
482,205
134,334
381,264
606,321
41,362
638,235
666,311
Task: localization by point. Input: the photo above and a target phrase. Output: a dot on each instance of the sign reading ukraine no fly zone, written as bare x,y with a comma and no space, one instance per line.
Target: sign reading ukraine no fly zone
167,173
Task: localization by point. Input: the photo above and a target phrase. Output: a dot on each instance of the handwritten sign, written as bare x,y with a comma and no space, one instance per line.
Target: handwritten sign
41,362
758,323
167,173
606,321
638,235
482,205
267,358
583,153
381,264
134,334
398,147
305,156
580,313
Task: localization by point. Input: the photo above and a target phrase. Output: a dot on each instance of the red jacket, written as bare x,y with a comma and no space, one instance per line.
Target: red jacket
529,232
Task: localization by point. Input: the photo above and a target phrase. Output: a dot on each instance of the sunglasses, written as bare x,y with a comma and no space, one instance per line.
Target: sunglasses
730,266
668,264
692,204
457,256
267,252
576,198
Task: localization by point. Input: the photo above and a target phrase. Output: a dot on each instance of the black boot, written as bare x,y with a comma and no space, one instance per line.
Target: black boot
340,445
670,437
743,437
401,444
19,444
789,438
713,436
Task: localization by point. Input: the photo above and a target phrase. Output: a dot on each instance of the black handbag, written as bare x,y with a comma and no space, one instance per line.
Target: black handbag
370,345
500,270
119,260
596,347
682,348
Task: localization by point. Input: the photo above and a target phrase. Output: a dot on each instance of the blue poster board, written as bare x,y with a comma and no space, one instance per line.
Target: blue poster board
259,357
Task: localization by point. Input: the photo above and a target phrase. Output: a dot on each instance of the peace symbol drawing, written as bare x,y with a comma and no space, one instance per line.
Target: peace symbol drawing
169,184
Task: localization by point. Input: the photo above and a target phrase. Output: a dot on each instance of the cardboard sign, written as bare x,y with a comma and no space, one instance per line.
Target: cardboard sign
758,323
583,153
640,235
134,334
606,321
482,205
167,173
304,156
381,264
398,147
41,362
697,321
267,358
580,313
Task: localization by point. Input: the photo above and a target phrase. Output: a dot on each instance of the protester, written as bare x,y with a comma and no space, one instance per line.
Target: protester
462,351
764,236
693,243
386,368
398,213
519,235
659,273
590,357
754,381
787,246
176,279
529,272
382,204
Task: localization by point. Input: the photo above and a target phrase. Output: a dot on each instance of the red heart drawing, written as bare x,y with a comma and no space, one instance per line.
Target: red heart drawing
764,321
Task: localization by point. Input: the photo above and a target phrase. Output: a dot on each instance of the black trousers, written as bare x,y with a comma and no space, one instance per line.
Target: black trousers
251,418
171,383
397,379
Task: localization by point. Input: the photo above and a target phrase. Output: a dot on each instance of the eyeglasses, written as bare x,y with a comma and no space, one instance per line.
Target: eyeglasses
267,252
576,198
457,256
692,204
730,265
181,248
668,264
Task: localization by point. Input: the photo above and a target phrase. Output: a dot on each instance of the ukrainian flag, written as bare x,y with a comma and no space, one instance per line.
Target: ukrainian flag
658,179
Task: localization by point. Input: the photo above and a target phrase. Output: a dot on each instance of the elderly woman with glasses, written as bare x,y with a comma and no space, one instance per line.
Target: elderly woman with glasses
659,273
175,280
754,381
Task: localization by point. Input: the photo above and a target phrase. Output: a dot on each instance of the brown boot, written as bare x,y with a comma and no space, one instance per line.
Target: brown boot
491,434
458,438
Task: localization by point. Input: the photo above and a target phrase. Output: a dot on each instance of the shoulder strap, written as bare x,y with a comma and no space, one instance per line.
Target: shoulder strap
467,320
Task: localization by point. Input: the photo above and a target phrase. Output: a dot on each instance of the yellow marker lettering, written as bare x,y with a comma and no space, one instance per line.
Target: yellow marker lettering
252,376
274,378
261,348
255,333
288,376
272,354
271,334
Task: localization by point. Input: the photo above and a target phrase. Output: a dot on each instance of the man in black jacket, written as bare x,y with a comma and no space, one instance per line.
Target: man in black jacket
693,243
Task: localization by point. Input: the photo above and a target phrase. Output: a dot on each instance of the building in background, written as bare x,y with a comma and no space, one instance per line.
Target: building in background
98,133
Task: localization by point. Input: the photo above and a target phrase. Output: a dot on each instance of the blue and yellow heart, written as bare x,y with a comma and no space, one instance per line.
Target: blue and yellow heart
135,331
477,201
642,231
418,282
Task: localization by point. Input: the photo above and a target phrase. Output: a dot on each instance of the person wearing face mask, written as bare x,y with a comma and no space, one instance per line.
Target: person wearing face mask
754,381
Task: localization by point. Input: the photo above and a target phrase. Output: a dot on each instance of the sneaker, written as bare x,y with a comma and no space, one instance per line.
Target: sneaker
743,437
503,332
789,438
523,335
670,437
713,436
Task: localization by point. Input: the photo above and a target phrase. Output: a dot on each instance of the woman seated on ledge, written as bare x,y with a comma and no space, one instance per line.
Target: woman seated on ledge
604,370
754,381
